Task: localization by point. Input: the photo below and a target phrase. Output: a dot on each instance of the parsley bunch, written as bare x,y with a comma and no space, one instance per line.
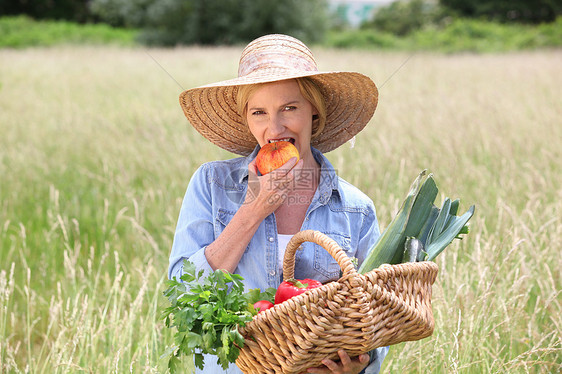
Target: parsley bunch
207,312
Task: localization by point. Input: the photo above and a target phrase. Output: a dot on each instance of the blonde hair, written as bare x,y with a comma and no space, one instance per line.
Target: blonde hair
309,90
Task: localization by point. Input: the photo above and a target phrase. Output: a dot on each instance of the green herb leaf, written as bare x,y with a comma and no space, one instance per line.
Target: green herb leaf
173,363
198,359
207,312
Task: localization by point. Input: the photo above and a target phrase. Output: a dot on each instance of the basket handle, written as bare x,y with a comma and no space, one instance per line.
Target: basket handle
322,240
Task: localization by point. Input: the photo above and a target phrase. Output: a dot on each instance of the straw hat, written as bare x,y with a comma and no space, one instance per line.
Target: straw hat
351,98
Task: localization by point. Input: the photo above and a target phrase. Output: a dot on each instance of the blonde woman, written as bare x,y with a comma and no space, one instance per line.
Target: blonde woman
235,219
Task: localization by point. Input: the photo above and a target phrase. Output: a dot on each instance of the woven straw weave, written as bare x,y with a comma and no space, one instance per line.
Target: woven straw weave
358,313
350,97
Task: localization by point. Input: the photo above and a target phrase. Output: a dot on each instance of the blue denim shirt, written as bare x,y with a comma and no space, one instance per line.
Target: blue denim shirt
338,209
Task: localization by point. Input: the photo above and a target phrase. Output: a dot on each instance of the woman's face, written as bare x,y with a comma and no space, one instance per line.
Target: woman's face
278,111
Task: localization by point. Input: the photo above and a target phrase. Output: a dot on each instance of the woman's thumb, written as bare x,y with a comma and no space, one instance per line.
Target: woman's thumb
252,168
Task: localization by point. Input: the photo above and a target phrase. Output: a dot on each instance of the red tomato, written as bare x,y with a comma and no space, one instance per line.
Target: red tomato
262,305
294,287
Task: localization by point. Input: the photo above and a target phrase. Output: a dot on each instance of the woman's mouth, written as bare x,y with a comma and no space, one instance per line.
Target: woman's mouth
291,140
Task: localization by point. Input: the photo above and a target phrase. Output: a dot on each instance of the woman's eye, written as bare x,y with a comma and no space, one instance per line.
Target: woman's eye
289,108
257,112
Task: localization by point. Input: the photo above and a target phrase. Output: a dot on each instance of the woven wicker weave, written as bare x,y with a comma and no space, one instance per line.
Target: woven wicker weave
358,313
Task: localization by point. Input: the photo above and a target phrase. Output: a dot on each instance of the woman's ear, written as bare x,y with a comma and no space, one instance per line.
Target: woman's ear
315,117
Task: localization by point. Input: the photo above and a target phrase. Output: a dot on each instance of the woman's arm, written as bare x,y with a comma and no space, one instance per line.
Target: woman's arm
194,228
227,250
194,238
263,196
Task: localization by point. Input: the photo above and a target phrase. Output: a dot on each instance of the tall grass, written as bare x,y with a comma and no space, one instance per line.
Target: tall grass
95,155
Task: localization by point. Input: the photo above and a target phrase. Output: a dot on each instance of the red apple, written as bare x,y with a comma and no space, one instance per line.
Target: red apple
274,155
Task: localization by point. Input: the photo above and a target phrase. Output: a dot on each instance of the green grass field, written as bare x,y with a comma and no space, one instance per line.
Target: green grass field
95,155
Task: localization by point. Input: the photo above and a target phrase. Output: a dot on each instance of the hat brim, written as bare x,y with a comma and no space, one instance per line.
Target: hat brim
351,99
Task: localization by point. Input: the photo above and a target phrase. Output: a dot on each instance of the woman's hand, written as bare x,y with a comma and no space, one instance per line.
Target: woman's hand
264,195
268,192
346,365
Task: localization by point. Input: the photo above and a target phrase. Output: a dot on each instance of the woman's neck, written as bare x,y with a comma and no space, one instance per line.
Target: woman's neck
310,177
290,215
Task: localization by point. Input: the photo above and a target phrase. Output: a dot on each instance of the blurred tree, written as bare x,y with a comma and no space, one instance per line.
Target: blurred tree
528,11
127,13
71,10
402,17
171,22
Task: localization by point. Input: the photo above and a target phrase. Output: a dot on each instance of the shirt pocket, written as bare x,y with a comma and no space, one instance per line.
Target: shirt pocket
324,263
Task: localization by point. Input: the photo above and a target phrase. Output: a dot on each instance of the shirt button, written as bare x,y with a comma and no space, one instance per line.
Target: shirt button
272,272
271,239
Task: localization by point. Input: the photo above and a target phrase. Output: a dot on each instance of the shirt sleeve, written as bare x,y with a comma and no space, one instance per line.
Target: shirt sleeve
377,357
194,230
369,234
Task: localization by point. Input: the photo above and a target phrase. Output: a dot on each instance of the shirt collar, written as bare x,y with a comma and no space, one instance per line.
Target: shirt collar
328,176
245,161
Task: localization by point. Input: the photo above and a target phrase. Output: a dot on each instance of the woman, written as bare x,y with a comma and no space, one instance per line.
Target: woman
235,219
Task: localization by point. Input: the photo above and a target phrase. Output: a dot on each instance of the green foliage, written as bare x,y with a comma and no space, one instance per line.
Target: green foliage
71,10
484,36
457,36
22,31
536,11
128,13
206,312
172,22
405,17
364,39
402,17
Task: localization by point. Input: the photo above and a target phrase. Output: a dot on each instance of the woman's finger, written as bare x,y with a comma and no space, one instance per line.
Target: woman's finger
295,172
330,364
285,168
345,365
286,181
344,358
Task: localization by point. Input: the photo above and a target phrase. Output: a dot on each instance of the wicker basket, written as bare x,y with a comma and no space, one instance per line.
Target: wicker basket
357,313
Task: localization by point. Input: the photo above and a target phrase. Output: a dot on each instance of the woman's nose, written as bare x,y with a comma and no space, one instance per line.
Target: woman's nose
276,124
